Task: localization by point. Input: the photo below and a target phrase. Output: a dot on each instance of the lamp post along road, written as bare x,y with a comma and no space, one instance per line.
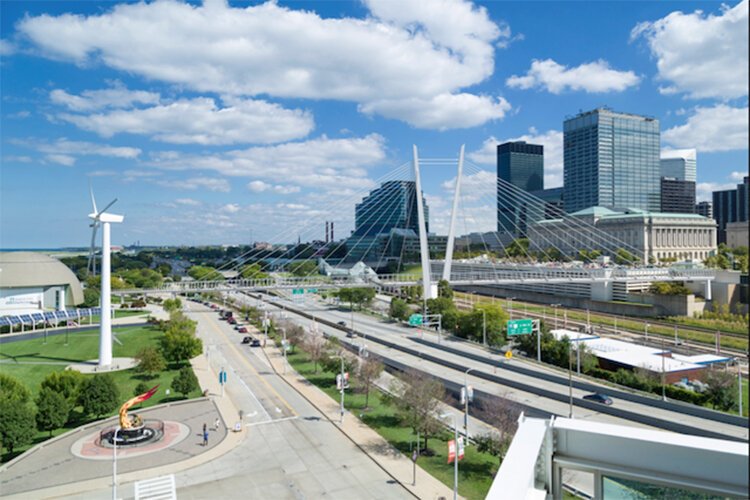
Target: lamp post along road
466,402
570,382
739,386
114,464
484,327
455,457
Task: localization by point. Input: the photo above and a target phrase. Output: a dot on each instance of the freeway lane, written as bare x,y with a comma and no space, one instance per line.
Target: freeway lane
644,410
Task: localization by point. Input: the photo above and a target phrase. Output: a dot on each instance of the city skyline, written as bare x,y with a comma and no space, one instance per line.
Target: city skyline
205,138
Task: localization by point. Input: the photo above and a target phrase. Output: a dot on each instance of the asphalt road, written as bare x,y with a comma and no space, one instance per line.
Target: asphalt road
647,412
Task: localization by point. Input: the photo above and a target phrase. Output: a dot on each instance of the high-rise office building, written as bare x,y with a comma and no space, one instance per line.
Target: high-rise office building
677,196
521,165
680,164
393,205
730,205
705,208
611,160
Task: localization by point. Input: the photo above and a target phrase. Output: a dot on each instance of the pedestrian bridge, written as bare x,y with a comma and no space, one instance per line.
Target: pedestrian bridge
506,275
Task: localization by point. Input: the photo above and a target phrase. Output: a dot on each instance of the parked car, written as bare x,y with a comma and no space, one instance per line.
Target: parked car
255,343
247,340
231,320
242,329
598,397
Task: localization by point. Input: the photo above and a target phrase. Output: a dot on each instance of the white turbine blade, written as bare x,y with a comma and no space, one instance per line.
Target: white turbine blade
110,204
93,201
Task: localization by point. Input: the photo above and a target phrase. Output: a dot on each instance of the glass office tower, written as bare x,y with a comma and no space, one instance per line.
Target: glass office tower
521,165
611,160
680,164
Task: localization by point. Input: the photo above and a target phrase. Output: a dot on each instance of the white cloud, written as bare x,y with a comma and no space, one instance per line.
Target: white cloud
701,55
482,184
117,96
719,128
66,160
230,208
593,77
266,50
188,202
201,121
738,176
78,148
552,140
7,48
442,112
280,189
321,162
208,183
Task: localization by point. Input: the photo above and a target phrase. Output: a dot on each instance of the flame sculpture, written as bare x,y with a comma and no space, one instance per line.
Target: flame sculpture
129,423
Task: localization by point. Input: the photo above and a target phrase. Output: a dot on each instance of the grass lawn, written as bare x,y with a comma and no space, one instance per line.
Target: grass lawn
82,346
475,472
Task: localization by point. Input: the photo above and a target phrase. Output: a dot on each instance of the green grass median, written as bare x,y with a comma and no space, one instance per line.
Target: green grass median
475,472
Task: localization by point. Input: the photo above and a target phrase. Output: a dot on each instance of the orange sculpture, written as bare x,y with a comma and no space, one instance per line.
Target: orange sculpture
134,420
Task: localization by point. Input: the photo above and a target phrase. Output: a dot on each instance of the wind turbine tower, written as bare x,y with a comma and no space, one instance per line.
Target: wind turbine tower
105,332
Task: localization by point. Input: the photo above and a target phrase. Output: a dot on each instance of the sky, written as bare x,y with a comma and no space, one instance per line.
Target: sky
227,122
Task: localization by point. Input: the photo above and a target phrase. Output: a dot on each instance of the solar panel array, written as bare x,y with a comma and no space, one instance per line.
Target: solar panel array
35,318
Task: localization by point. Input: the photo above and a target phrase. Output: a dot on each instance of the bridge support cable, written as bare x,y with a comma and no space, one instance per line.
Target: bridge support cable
382,210
544,210
311,228
391,176
423,248
308,225
452,227
579,229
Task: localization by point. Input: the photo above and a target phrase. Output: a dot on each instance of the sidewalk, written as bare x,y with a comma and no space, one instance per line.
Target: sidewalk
389,458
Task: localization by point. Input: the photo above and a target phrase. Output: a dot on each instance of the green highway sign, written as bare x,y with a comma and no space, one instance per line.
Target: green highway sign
298,291
312,290
520,327
415,319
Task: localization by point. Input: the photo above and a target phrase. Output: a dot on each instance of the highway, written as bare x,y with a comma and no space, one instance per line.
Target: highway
537,387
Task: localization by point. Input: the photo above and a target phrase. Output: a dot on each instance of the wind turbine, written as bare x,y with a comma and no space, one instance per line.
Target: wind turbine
103,219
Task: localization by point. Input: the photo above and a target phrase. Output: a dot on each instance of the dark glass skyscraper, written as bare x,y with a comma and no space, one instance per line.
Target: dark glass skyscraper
730,205
677,196
521,165
392,205
611,160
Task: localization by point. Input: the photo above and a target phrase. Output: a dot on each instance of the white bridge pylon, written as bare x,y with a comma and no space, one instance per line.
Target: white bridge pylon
429,290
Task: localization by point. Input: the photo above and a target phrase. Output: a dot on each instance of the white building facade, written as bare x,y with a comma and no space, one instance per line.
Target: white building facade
651,236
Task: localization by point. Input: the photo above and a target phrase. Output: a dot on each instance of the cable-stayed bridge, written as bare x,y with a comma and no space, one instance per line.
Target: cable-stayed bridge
543,258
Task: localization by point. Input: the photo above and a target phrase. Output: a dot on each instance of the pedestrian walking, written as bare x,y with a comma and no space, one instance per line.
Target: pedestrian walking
216,424
204,427
205,438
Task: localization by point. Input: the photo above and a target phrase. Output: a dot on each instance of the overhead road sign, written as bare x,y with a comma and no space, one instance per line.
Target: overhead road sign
520,327
415,319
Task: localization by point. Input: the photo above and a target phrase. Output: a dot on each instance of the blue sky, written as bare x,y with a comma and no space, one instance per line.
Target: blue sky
217,123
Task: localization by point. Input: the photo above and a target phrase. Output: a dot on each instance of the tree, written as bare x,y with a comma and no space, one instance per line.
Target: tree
253,272
368,374
141,388
171,305
363,296
99,395
417,398
623,257
303,268
150,361
179,342
399,309
445,290
13,390
205,273
447,309
185,382
17,424
53,410
90,297
518,248
722,389
142,278
315,346
68,383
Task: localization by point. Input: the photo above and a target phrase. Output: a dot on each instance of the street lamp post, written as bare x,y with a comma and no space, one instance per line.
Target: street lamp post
343,384
466,402
645,329
578,353
455,457
114,463
570,382
555,306
739,385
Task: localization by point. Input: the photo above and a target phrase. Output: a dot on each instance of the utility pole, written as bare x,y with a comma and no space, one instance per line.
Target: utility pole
484,327
663,372
466,402
570,382
739,385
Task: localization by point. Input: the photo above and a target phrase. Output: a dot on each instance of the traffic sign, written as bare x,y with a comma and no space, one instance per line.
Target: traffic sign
415,319
222,377
508,354
298,291
520,327
312,290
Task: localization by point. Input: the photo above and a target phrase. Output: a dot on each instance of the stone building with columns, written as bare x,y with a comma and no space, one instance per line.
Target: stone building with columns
651,236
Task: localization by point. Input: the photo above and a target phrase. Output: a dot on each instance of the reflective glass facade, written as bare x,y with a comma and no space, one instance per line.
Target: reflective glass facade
521,165
392,205
680,164
677,196
611,160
